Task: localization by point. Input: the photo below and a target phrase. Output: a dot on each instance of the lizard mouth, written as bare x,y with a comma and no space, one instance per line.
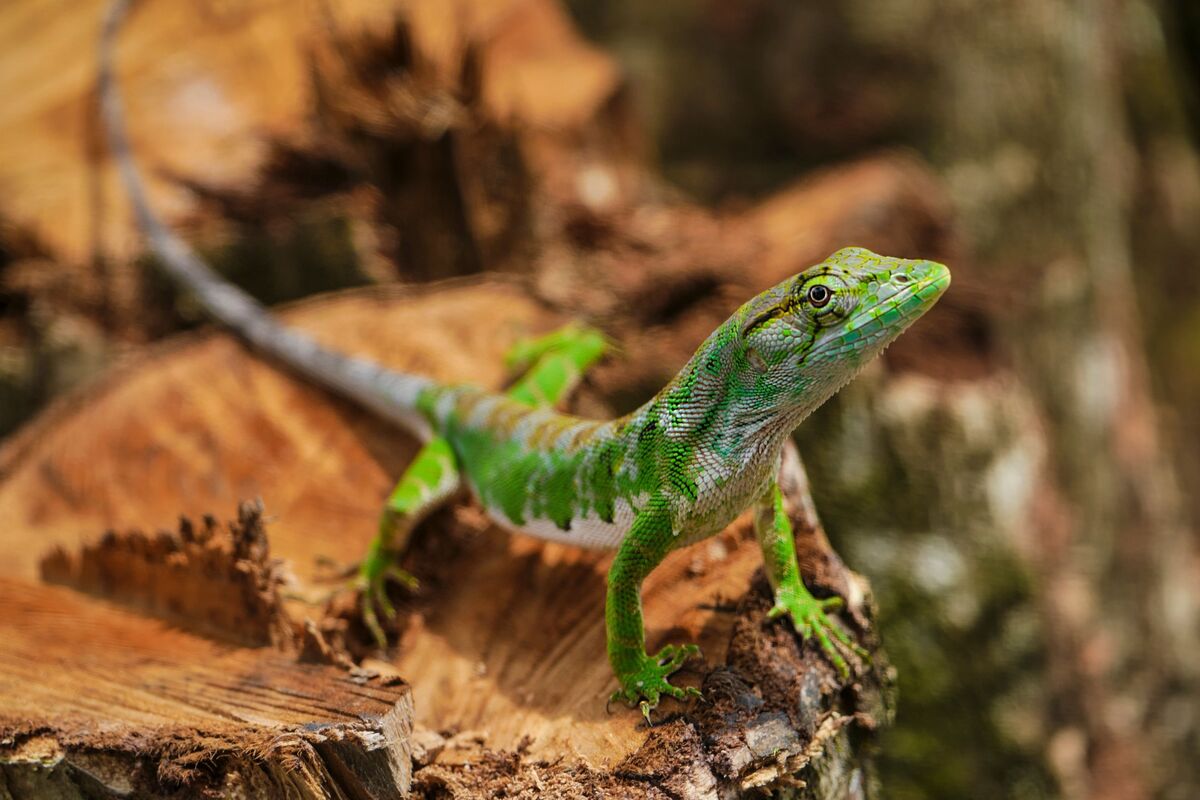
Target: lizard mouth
884,320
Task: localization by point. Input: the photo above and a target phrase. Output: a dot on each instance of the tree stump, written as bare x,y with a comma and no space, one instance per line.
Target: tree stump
501,653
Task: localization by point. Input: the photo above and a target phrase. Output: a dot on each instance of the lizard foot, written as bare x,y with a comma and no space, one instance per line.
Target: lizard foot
374,574
645,684
369,579
810,619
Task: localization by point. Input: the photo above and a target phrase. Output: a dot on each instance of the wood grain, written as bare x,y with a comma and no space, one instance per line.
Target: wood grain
169,709
212,86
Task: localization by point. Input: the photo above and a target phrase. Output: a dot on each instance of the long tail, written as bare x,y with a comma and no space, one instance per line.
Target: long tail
390,394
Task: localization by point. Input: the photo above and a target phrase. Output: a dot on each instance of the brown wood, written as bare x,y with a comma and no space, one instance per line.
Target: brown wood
506,636
503,647
133,704
210,86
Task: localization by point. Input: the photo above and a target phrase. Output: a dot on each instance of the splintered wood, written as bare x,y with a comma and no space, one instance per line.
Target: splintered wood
504,644
255,716
220,582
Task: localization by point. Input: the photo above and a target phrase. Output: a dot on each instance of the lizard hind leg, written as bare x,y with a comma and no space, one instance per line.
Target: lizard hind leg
431,479
552,365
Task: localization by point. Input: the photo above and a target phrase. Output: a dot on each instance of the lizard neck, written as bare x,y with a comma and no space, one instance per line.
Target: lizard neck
718,404
712,435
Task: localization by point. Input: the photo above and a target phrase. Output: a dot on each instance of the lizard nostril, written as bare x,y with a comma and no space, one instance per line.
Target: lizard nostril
900,278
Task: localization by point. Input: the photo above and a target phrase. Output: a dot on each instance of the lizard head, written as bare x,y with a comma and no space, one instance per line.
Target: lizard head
805,338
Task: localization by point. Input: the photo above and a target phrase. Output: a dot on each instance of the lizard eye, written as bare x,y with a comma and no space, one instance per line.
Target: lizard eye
819,295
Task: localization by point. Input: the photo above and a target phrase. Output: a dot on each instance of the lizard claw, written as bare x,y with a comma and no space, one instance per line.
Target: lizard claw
810,617
645,684
369,579
371,582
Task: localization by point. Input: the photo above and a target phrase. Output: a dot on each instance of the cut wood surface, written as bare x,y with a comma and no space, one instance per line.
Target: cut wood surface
504,643
511,641
506,636
141,706
503,646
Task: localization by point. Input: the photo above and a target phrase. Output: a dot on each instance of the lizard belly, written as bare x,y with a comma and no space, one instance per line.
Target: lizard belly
588,531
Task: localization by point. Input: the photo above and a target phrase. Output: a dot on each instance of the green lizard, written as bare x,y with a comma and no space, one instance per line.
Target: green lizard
673,472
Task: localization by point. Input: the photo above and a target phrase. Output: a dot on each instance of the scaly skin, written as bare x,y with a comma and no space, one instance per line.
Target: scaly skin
675,471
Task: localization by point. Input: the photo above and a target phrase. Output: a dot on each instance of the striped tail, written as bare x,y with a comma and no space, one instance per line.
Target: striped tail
392,395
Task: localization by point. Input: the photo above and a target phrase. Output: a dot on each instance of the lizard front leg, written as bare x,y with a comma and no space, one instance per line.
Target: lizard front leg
809,614
643,677
553,364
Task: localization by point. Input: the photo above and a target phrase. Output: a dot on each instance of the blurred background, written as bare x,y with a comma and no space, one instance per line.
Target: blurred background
1017,480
